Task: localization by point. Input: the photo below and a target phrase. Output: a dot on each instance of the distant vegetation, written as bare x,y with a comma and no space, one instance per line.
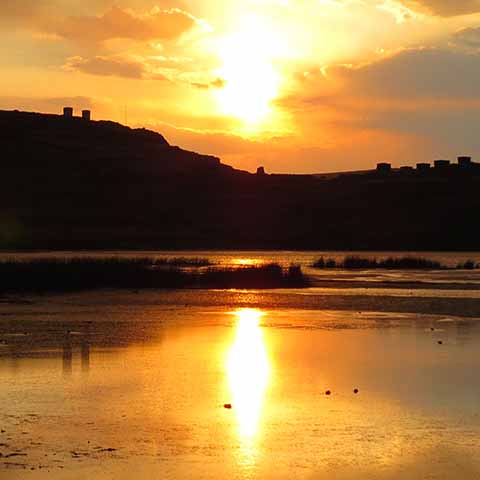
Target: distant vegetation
138,261
181,262
468,265
403,263
270,275
57,275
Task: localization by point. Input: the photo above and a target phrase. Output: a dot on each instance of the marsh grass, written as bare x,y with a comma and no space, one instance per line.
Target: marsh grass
468,265
270,275
57,275
183,262
402,263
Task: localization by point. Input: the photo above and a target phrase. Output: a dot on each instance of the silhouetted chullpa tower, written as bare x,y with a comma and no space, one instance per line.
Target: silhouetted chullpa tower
465,161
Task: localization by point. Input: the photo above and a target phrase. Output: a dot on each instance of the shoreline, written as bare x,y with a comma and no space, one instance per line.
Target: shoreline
61,306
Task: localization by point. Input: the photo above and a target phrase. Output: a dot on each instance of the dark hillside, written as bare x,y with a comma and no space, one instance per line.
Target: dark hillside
71,183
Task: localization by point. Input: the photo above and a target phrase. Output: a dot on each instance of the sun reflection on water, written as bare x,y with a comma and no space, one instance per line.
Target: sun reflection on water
248,369
247,262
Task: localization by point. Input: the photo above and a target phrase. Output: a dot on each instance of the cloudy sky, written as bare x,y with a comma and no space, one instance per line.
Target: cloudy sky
294,85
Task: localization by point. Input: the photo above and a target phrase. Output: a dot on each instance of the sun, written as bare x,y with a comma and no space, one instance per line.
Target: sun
251,81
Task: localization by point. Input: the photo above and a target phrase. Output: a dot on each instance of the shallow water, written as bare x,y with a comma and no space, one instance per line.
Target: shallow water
120,385
106,385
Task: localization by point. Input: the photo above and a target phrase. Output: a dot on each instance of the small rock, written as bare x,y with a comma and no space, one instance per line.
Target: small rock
440,342
228,406
328,392
355,391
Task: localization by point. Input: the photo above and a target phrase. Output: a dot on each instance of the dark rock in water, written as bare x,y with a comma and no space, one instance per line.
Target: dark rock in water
355,391
440,342
328,392
432,329
228,406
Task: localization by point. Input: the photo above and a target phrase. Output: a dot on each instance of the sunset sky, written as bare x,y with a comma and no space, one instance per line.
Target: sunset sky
294,85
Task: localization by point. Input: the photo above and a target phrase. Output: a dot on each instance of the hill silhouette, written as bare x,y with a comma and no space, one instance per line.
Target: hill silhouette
76,184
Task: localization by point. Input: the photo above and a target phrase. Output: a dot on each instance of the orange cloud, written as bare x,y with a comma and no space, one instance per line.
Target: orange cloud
118,23
218,83
107,66
420,73
468,37
446,8
137,67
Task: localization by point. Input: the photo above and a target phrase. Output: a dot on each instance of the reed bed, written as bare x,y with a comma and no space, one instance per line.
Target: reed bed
402,263
57,275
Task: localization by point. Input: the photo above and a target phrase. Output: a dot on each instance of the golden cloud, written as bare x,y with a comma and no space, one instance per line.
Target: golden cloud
445,8
107,66
119,23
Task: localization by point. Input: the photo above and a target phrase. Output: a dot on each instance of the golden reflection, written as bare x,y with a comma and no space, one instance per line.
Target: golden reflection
247,262
248,370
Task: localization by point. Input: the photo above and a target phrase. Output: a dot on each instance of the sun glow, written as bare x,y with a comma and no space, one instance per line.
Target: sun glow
247,262
248,370
248,69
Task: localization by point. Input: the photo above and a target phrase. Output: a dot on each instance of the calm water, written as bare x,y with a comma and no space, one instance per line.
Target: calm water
121,385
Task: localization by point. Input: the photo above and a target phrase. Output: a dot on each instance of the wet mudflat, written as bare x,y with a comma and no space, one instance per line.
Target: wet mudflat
101,385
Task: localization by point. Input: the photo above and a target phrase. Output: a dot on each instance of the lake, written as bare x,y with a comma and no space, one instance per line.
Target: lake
358,380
